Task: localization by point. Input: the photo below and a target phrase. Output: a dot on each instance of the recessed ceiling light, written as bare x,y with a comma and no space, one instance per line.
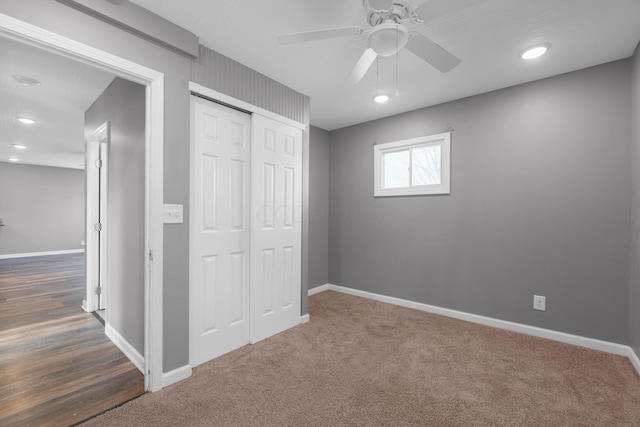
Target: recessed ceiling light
535,51
26,120
19,146
381,98
25,80
13,159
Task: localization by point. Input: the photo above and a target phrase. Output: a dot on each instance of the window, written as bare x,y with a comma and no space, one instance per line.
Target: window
413,166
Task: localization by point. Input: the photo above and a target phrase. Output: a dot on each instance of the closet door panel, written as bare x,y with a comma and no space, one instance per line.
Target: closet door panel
220,230
276,234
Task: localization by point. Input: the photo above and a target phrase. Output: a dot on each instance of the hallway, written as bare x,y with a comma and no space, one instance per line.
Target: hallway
57,365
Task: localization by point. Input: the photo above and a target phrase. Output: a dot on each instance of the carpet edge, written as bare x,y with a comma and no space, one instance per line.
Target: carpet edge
580,341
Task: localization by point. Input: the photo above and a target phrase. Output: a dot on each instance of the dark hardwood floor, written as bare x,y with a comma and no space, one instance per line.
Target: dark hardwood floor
57,367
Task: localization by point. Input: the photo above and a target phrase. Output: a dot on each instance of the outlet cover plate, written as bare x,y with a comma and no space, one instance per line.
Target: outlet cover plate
540,303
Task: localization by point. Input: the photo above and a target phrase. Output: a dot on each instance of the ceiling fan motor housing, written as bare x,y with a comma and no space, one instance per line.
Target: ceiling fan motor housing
388,38
401,11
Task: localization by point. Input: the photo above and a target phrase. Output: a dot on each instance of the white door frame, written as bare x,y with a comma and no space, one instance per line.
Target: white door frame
95,245
154,141
103,259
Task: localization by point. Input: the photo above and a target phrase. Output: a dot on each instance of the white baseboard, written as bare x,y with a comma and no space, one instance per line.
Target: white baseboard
635,360
184,372
606,346
30,254
176,375
318,289
124,346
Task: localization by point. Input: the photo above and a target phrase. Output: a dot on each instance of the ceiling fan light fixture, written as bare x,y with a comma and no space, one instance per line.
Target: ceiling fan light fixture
535,51
388,38
381,98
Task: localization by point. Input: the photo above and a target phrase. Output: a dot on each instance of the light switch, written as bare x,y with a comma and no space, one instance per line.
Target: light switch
172,214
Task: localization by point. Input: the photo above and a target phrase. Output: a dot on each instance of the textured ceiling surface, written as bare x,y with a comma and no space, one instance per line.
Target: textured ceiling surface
487,36
67,90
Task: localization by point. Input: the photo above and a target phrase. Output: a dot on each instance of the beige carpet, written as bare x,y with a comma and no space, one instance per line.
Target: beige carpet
360,362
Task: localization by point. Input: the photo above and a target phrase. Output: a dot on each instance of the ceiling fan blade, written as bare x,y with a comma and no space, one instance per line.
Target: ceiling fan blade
362,66
308,36
432,53
380,4
433,9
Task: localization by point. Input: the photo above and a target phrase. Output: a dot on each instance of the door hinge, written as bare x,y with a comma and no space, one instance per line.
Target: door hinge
98,226
150,255
99,290
99,163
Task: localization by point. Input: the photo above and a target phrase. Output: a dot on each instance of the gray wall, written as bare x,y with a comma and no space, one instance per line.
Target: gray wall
223,74
634,307
540,204
177,69
318,207
304,285
42,208
122,104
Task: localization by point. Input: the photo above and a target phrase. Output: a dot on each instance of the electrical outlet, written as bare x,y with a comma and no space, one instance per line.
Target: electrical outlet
81,242
539,303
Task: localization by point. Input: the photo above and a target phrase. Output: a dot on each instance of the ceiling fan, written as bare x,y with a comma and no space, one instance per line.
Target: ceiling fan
387,33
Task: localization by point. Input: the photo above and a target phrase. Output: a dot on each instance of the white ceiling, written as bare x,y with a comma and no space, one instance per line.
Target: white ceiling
67,90
487,37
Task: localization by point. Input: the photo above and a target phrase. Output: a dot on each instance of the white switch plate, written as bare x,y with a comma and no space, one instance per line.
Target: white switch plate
539,303
172,214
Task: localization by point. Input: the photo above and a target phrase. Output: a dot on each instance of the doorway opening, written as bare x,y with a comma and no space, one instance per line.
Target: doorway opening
153,83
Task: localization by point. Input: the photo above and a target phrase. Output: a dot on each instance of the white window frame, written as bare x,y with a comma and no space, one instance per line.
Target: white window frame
379,150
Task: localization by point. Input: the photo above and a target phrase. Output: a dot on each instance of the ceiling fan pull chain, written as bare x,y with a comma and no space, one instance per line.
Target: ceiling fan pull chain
397,53
377,74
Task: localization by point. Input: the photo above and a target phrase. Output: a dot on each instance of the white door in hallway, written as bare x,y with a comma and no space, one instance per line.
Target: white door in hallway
220,255
96,150
276,227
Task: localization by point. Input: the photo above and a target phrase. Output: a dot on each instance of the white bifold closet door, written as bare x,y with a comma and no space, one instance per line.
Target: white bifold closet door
246,189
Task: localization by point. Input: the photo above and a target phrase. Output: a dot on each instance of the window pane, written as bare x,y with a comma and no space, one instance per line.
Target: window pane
396,169
426,165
